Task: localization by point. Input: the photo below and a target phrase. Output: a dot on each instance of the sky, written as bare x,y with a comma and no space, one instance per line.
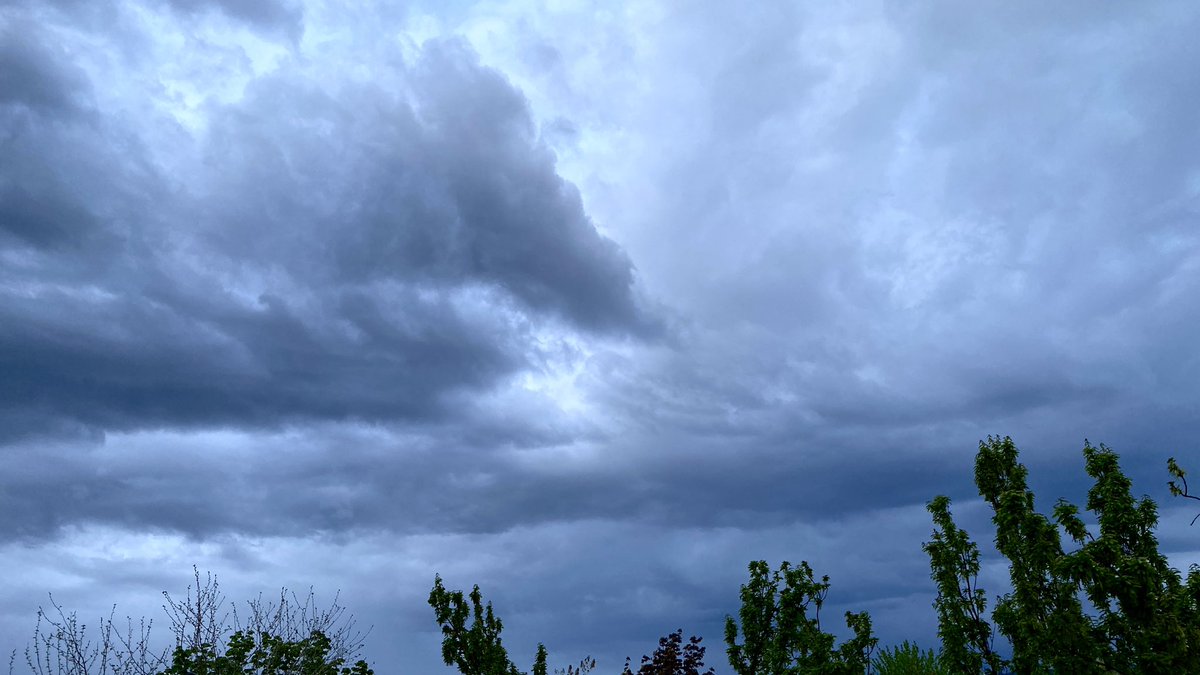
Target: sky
588,303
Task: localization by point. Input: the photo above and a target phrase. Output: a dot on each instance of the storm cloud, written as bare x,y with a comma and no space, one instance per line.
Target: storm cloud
333,250
588,305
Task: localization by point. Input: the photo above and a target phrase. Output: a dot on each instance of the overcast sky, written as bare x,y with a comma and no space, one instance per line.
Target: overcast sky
588,304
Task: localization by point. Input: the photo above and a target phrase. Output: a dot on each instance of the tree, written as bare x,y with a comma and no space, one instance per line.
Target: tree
673,657
476,650
961,605
780,637
294,619
264,654
1042,616
1143,616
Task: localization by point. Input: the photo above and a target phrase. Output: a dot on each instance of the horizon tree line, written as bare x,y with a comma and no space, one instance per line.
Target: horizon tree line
1105,602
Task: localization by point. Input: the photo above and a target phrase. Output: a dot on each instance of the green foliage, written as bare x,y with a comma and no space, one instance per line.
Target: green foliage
539,661
779,636
1142,618
474,650
673,657
1176,489
246,654
1042,616
961,605
908,659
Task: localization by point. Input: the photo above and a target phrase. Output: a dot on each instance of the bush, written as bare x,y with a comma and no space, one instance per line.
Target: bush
908,659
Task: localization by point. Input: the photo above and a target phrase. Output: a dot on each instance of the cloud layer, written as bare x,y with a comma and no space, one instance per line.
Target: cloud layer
588,305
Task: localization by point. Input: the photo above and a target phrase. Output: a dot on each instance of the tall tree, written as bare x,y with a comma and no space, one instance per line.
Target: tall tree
475,649
1144,615
1042,616
961,604
781,626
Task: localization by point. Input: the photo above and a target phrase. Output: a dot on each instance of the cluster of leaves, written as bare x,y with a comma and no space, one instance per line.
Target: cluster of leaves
779,634
1180,489
477,649
961,605
673,657
1143,616
909,659
264,654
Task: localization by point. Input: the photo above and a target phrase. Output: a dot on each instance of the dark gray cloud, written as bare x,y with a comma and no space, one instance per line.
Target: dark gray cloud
41,93
458,189
335,255
33,76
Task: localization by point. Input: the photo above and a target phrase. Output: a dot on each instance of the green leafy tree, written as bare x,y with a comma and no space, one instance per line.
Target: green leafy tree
539,661
476,649
265,654
854,655
781,627
961,605
1042,616
673,657
1145,618
908,659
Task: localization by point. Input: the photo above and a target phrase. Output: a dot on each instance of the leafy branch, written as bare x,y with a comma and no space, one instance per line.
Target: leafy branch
1177,491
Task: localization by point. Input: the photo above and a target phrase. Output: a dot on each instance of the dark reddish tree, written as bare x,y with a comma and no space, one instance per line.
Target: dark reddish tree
673,657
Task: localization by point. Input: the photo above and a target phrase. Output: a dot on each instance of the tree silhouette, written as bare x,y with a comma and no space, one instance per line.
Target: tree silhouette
673,657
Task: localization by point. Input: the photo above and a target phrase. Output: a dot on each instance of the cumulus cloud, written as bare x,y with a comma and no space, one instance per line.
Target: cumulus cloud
334,249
